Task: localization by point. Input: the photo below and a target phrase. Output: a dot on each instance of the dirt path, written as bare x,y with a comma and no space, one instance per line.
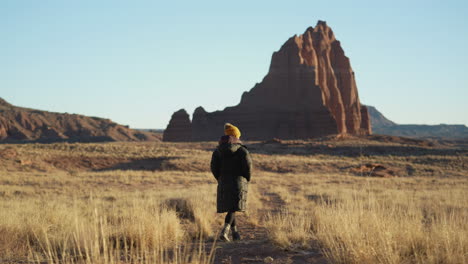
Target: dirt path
255,246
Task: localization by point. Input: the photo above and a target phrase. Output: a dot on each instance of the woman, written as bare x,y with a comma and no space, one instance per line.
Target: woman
231,166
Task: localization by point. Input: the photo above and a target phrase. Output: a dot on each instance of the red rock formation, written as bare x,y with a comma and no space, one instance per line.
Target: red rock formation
309,91
23,124
365,120
179,128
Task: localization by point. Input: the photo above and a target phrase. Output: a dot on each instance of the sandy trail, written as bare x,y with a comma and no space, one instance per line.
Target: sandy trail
255,246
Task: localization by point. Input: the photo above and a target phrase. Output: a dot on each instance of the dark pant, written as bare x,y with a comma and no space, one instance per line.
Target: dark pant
230,218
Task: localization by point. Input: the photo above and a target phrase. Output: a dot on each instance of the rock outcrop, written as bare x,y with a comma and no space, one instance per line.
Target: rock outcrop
309,91
179,128
18,124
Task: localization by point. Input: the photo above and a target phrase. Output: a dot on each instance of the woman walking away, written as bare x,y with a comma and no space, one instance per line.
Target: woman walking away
231,166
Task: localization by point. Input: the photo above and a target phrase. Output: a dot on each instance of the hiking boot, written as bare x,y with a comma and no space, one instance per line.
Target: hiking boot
224,236
235,234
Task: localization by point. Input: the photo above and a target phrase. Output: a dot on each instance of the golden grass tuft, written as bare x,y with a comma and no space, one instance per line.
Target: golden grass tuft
92,231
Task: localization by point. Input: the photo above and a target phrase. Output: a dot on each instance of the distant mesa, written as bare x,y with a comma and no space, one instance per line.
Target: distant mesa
18,124
378,119
382,125
309,91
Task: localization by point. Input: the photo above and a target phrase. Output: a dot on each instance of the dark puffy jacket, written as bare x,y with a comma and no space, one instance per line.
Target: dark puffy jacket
231,166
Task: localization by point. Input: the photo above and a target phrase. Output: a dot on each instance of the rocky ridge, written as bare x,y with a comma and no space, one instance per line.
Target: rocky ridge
18,124
384,126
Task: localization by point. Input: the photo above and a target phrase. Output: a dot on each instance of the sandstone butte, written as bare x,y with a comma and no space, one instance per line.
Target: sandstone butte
309,91
18,124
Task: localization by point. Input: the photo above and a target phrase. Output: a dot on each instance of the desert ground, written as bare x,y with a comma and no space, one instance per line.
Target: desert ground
374,199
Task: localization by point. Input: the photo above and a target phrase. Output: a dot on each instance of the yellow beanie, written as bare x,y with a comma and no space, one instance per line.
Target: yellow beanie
231,130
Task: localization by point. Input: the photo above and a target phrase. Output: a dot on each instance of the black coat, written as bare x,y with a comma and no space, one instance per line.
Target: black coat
231,165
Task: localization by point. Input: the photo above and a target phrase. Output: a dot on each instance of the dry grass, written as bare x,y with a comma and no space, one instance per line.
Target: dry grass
370,221
155,202
105,229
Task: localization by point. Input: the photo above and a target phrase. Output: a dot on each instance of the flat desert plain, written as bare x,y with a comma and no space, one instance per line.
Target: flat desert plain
373,199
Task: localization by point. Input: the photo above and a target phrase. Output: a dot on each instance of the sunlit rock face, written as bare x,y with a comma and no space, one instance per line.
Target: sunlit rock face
19,124
309,91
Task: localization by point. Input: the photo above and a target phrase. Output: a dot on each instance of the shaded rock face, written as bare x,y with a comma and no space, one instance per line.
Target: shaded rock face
309,91
366,124
179,128
23,124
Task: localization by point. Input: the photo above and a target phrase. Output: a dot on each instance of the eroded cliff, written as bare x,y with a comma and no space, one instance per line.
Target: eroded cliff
309,91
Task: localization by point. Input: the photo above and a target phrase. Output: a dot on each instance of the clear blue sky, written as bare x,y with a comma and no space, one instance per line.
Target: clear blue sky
136,62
